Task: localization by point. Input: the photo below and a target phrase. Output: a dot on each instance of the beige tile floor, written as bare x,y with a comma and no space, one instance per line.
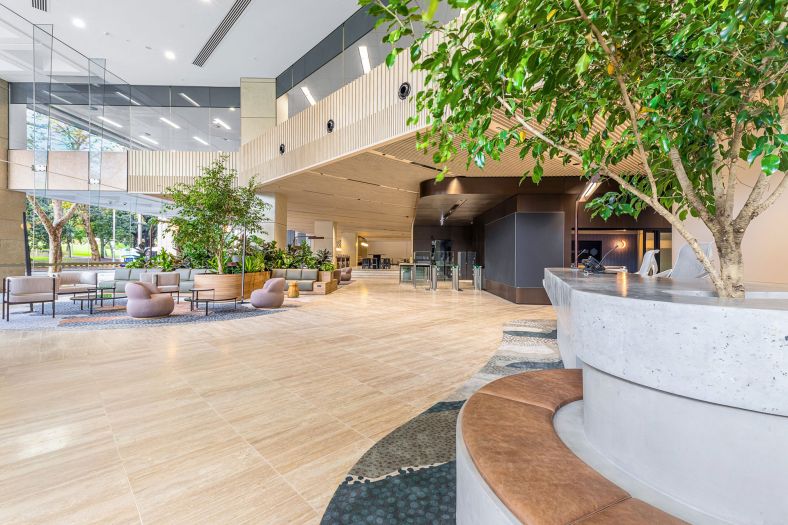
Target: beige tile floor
245,421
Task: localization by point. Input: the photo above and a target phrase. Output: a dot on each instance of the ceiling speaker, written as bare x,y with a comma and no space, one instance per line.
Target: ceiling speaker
404,91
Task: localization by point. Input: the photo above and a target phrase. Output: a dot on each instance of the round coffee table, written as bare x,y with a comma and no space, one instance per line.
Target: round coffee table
292,290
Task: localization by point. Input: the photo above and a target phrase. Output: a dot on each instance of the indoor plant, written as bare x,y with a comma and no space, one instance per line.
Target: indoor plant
213,213
691,91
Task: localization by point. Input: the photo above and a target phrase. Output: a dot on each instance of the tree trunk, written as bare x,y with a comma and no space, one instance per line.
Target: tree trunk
84,214
55,250
731,266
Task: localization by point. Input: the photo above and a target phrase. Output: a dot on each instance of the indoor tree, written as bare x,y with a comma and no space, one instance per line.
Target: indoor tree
213,210
62,212
693,91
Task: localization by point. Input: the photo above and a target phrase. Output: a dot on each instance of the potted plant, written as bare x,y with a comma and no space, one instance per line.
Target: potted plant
213,215
324,264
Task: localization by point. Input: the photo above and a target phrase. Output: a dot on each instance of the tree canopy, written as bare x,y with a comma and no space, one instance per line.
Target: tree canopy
213,210
693,90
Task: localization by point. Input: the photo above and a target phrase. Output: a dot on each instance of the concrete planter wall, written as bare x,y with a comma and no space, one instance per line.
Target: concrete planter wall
683,391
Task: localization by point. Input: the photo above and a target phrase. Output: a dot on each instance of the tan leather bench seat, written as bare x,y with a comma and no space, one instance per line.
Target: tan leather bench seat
507,428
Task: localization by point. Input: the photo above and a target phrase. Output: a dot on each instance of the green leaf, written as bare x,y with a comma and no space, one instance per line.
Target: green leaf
664,143
537,173
391,58
770,164
582,64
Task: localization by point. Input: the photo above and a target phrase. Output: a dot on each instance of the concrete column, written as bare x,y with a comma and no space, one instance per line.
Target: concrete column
350,246
12,204
325,229
276,228
258,107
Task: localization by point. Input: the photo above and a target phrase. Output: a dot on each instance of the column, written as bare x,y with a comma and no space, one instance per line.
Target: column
276,228
258,107
325,229
12,204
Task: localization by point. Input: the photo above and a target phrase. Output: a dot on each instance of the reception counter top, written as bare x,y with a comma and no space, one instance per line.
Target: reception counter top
683,390
676,336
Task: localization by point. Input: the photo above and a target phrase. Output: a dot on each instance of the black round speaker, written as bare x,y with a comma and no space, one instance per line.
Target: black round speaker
330,125
404,91
281,149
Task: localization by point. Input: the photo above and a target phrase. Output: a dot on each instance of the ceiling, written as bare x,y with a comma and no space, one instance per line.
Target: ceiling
376,193
134,36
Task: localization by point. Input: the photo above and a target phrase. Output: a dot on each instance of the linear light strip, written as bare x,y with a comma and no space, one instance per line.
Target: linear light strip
308,95
364,53
169,122
120,93
189,99
109,121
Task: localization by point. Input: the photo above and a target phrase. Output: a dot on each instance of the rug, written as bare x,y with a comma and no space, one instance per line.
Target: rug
69,316
409,476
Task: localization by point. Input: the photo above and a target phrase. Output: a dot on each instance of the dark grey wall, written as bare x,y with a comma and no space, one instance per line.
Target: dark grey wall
499,250
539,244
461,237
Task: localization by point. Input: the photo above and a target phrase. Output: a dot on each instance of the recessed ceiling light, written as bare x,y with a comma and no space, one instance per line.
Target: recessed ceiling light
148,139
189,99
362,51
232,109
169,55
221,123
109,121
121,94
169,122
308,95
78,22
201,141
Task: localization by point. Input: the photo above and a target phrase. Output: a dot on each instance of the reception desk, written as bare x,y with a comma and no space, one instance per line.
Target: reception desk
683,391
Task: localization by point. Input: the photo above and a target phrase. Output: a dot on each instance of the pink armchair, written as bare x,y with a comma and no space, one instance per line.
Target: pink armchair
145,300
271,295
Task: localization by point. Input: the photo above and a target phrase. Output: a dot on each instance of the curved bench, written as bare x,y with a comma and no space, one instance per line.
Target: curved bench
507,431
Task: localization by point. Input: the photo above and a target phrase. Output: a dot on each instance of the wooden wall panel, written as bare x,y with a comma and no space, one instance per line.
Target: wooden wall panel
366,113
154,171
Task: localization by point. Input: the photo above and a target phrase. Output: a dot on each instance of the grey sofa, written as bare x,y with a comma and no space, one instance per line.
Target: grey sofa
75,282
187,277
133,275
28,290
305,278
123,276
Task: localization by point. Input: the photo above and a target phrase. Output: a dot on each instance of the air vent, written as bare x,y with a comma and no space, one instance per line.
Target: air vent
40,4
218,35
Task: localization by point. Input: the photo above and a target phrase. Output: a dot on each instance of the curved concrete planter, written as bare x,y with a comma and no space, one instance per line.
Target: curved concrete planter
682,390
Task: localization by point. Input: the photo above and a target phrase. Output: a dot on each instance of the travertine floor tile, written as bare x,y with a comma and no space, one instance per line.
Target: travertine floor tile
246,421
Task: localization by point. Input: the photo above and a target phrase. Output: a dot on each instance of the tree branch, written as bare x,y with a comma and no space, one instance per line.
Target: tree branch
756,204
633,115
42,215
686,186
67,216
567,151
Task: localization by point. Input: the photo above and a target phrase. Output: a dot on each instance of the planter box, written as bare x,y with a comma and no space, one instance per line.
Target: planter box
228,286
325,276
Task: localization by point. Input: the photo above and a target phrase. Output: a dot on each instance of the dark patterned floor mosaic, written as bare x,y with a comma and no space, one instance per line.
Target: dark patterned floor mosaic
409,476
